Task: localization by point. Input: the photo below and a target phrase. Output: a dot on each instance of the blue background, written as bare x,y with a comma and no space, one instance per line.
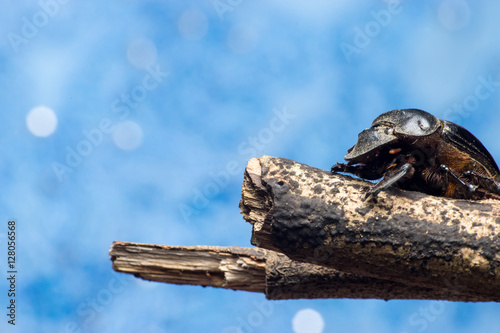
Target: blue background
232,66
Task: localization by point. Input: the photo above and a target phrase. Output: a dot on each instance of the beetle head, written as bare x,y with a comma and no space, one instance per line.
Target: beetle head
388,128
369,141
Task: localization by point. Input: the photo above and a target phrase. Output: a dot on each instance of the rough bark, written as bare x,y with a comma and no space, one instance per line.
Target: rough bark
256,270
447,245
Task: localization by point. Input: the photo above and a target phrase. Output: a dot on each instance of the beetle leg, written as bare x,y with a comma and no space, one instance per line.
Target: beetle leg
357,170
388,181
489,183
361,170
470,188
342,167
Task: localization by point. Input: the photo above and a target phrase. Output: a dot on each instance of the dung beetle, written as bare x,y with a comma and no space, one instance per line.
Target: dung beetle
413,150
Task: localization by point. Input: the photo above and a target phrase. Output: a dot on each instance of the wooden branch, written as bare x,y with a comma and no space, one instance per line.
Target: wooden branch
446,245
253,269
223,267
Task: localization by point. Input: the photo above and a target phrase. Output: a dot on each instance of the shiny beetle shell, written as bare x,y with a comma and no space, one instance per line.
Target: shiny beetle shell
414,150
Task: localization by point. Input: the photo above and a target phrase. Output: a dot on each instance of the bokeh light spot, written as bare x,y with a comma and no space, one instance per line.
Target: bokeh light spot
242,39
141,53
193,24
41,121
308,321
454,14
127,135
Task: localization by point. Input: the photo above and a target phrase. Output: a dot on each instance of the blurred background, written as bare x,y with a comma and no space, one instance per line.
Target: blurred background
134,120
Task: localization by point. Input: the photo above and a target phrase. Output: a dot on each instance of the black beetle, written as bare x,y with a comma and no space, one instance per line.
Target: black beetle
414,150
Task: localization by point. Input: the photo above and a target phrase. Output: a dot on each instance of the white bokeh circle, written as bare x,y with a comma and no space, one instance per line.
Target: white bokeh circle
127,135
41,121
454,14
193,24
308,321
141,53
242,39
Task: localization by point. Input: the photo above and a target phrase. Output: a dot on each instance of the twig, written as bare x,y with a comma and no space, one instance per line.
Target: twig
257,270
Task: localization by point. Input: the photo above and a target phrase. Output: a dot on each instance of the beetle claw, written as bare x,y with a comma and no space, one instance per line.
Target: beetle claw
339,167
370,197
